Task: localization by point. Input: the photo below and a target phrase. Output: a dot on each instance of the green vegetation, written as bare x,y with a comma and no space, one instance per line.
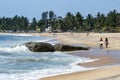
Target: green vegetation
71,22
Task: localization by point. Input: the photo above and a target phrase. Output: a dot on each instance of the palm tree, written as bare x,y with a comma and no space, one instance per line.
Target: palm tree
79,21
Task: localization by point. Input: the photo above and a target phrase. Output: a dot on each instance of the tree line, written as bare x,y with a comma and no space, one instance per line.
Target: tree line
71,22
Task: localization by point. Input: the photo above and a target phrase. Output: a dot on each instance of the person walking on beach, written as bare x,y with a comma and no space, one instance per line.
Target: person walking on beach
101,43
106,42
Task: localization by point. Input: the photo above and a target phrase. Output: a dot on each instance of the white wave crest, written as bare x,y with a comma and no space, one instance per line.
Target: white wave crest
15,34
18,48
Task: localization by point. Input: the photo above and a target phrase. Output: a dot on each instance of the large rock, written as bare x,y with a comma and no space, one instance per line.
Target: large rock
39,47
46,47
63,47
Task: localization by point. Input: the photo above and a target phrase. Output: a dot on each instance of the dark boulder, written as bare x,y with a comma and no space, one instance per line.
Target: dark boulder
63,47
46,47
39,47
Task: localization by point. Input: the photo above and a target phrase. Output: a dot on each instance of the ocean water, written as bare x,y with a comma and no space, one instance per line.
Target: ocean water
18,63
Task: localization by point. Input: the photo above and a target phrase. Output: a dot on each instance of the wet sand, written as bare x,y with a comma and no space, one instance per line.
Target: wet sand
109,73
108,66
107,57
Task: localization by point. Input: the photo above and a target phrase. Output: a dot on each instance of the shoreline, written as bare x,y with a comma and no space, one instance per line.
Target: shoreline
106,68
96,74
106,58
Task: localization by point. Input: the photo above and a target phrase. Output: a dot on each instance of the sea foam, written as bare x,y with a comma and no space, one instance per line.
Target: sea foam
18,63
18,48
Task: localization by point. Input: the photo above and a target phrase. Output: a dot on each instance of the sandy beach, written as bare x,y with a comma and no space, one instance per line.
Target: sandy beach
105,59
91,40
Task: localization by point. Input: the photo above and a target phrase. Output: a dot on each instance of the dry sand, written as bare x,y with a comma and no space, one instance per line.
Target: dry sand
107,73
82,38
91,40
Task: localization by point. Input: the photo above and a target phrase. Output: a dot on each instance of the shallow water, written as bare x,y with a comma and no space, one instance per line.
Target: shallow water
18,63
97,54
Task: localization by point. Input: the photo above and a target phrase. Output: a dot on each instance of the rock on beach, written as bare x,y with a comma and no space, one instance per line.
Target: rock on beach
47,47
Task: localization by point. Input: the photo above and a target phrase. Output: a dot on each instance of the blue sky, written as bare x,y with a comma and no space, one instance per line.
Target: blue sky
34,8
